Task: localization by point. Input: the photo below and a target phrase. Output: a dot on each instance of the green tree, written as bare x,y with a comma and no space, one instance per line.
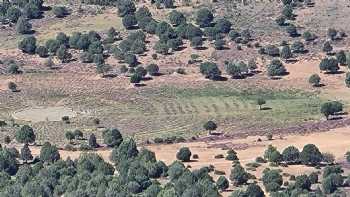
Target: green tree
184,154
26,154
260,102
92,141
13,13
276,68
126,150
254,190
327,47
69,136
204,17
42,51
161,47
331,108
135,79
62,39
130,59
272,180
291,155
112,137
286,53
308,36
23,26
210,126
125,7
52,45
49,153
63,54
28,44
310,155
347,79
196,42
176,18
341,57
129,21
222,183
238,175
303,182
60,11
315,80
25,135
219,44
152,69
332,33
329,65
298,47
12,86
31,11
292,31
223,25
281,20
210,70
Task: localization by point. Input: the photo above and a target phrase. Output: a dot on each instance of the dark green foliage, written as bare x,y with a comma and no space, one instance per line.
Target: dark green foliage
308,36
13,14
26,154
281,20
25,135
13,87
331,108
219,44
142,13
112,137
238,175
291,155
292,31
223,25
310,155
302,182
347,79
126,150
23,26
298,47
83,42
151,27
276,68
130,59
210,126
141,71
331,183
63,54
138,46
174,44
332,33
272,154
28,44
222,183
288,12
86,57
92,141
176,18
234,34
168,3
236,69
125,7
231,155
260,102
254,190
272,50
69,135
99,60
62,39
52,45
73,40
78,134
161,48
129,21
42,51
272,180
31,11
313,177
204,17
341,57
188,31
152,69
196,42
327,47
135,78
315,80
184,154
8,162
252,65
329,65
60,11
49,153
162,28
95,47
210,70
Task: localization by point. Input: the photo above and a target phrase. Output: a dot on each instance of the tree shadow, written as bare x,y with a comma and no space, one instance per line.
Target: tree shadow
334,72
147,78
265,108
139,85
220,78
201,48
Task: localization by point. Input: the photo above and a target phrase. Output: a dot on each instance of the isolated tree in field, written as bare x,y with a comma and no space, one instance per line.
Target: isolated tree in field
176,18
63,54
12,86
292,31
204,17
286,53
125,7
25,135
223,25
60,11
222,183
49,153
298,47
341,57
135,79
78,134
238,175
276,68
331,108
69,136
23,26
272,50
92,141
291,155
332,33
231,155
329,65
308,36
141,71
327,47
310,155
210,126
184,154
152,69
26,154
28,45
210,70
315,80
260,102
129,21
13,13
